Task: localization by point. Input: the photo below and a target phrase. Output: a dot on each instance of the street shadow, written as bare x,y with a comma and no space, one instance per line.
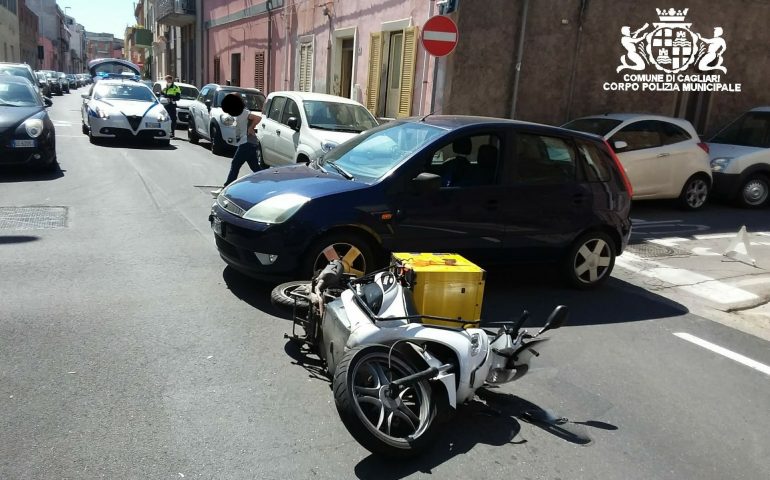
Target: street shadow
538,289
302,357
492,419
254,292
135,144
8,239
14,174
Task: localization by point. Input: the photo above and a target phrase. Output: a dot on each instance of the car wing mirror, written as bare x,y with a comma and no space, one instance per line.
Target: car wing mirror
293,123
619,145
48,102
84,95
207,103
555,320
426,182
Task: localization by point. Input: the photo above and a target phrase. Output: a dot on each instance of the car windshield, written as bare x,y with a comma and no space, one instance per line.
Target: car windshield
15,71
123,91
597,126
340,117
372,154
189,93
15,94
254,101
751,129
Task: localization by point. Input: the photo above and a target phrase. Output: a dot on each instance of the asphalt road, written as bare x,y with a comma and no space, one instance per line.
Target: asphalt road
129,350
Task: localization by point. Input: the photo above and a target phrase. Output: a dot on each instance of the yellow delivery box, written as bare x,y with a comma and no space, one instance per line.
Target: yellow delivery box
445,285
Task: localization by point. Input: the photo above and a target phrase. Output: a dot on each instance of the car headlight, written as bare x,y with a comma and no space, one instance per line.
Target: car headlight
227,120
163,116
328,146
34,127
720,164
276,209
101,112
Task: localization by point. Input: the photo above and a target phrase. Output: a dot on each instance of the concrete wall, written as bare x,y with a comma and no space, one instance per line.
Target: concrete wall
561,80
9,36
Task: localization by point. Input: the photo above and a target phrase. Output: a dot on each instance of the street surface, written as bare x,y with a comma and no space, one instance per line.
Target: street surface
128,349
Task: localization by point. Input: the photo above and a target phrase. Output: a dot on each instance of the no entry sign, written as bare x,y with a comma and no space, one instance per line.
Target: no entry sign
439,35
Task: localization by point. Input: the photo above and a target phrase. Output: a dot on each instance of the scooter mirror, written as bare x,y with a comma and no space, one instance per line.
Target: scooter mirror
556,319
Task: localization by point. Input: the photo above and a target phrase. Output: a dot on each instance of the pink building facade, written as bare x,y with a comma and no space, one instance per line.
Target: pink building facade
367,50
50,55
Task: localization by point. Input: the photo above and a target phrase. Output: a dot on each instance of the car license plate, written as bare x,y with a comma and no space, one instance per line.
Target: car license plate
151,125
23,143
216,225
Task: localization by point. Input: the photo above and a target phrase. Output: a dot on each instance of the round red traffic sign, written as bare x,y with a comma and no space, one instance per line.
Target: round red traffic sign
439,35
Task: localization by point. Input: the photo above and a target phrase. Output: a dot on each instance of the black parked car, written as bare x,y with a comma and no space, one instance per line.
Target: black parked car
27,135
64,81
496,191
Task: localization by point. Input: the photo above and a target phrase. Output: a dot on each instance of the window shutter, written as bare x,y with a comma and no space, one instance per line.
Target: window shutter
375,66
305,67
216,70
259,71
408,60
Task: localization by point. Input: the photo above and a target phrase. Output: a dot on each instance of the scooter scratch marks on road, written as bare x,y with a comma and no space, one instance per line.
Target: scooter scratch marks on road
691,282
725,352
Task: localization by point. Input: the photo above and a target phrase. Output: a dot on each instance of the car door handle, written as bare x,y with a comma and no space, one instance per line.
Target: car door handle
663,155
278,132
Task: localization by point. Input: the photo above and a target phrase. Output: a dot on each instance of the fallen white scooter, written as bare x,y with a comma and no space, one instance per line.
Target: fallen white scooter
393,372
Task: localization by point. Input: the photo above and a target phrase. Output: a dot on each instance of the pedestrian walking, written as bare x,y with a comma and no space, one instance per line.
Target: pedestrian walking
173,93
245,124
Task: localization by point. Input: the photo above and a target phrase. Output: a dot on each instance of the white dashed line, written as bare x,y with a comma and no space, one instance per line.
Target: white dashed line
725,352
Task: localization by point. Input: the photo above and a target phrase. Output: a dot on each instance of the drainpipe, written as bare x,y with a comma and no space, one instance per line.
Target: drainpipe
583,5
425,68
268,77
519,56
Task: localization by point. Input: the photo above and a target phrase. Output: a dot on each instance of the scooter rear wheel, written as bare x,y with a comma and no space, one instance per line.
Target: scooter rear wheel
394,427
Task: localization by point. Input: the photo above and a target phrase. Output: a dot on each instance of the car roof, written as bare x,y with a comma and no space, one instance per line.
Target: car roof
760,109
232,88
121,81
316,96
625,117
454,122
178,83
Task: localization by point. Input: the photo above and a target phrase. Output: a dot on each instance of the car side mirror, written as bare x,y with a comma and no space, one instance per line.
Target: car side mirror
619,145
293,123
207,103
426,182
48,102
84,95
555,320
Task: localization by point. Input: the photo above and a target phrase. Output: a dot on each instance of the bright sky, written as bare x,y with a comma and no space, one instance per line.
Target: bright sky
101,16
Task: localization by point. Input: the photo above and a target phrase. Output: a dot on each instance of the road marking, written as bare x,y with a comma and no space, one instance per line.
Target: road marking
725,352
686,280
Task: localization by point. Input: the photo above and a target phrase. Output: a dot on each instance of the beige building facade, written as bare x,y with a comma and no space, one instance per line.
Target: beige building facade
9,31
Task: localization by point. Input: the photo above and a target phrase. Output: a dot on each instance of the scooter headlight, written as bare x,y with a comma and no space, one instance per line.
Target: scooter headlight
276,209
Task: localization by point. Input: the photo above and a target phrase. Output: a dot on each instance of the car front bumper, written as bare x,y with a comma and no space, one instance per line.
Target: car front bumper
43,153
726,185
182,115
248,246
115,127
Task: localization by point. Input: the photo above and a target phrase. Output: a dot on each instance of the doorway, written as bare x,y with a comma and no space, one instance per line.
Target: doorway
393,87
235,69
346,67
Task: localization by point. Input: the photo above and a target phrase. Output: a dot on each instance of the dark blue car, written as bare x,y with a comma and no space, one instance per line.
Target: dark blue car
496,191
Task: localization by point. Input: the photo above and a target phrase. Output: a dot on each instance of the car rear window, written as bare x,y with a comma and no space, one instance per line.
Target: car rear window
595,162
597,126
544,159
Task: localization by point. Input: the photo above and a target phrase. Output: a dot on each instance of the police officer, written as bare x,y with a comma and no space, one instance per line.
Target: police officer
173,93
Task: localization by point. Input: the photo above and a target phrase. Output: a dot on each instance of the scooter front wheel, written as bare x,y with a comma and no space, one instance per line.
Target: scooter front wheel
398,427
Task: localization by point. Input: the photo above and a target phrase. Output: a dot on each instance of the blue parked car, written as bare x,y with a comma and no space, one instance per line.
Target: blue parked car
495,191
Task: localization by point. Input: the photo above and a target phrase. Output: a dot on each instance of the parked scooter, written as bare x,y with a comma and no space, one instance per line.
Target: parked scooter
394,373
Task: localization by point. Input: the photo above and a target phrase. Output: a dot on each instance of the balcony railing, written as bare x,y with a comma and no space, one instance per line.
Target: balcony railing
175,12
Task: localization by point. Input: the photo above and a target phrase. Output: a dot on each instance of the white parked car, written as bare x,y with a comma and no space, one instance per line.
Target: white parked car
740,159
663,156
189,94
124,109
209,122
301,126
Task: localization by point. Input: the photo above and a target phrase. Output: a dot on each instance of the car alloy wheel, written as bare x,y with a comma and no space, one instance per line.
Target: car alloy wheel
755,191
355,253
695,192
192,133
590,260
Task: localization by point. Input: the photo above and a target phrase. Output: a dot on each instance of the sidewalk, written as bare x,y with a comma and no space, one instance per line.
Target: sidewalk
733,289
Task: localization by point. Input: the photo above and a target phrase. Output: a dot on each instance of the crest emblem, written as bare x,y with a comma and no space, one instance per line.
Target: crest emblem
671,46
